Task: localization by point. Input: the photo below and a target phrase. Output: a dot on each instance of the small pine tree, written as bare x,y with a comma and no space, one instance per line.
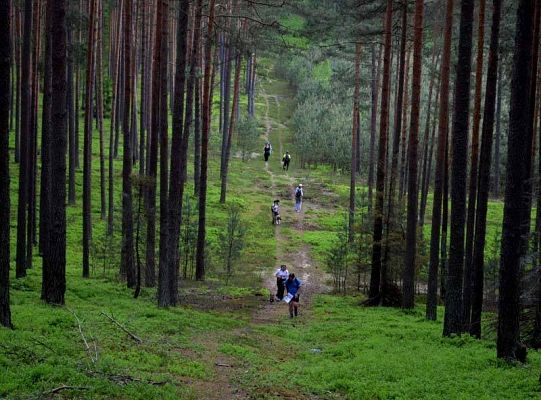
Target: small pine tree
231,241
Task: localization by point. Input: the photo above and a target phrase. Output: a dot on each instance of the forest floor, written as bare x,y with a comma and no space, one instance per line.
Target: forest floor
227,341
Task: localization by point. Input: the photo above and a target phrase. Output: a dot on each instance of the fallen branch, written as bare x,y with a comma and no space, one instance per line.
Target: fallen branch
85,342
64,387
114,321
224,365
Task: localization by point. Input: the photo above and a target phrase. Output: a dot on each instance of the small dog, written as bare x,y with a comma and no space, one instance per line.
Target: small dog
278,219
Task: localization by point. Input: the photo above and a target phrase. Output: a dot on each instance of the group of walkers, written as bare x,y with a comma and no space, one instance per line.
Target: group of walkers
288,289
288,286
286,158
275,208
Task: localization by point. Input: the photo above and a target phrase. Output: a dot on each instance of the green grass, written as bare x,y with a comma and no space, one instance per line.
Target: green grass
352,352
336,350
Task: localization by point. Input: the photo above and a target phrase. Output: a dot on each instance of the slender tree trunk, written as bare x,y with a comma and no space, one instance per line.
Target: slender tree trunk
376,68
207,88
99,101
127,254
474,164
424,172
444,258
453,297
354,137
164,276
72,118
484,173
231,128
375,276
427,165
496,190
25,137
403,139
519,142
408,284
396,149
197,135
18,51
114,119
179,152
87,156
153,152
5,61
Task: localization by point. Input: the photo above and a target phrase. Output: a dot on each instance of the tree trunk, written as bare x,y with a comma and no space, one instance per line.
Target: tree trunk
87,156
55,256
396,148
408,285
73,118
404,133
25,136
474,165
519,142
354,150
164,278
375,276
127,253
376,70
114,118
453,296
201,233
5,60
424,173
231,128
496,190
179,148
44,197
197,136
99,103
484,174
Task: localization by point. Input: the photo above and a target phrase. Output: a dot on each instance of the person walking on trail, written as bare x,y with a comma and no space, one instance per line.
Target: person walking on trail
293,286
281,277
299,194
267,150
275,209
286,159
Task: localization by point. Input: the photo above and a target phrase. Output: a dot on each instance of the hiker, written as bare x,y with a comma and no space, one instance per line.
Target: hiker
275,209
298,197
281,277
285,160
293,286
267,150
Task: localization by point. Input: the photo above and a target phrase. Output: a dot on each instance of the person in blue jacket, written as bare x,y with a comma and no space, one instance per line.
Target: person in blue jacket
293,286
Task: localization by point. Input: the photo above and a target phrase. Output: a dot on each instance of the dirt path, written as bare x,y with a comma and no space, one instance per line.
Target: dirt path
224,384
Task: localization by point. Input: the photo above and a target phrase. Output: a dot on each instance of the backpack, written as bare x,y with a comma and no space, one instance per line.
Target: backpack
287,157
298,193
